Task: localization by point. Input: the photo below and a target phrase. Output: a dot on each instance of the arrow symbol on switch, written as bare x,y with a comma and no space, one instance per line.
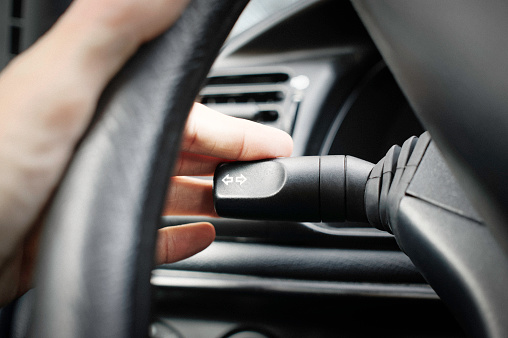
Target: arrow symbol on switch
228,179
241,179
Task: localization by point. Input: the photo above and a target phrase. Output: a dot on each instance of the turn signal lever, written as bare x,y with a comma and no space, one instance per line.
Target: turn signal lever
313,188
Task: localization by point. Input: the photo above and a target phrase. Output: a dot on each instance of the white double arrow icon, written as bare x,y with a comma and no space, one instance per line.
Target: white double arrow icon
239,179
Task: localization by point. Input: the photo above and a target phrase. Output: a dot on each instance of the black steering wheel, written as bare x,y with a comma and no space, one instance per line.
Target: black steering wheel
91,281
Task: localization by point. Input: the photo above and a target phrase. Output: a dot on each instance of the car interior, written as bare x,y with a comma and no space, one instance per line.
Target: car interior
413,88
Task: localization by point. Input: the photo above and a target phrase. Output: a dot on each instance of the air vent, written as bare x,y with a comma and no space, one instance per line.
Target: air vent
264,97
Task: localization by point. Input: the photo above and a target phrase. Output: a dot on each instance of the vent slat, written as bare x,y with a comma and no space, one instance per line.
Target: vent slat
247,79
258,97
17,9
15,40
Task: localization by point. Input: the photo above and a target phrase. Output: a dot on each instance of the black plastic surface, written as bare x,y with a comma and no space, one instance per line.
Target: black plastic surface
280,189
332,186
389,179
461,260
306,234
325,264
434,183
357,173
372,193
405,153
438,228
389,168
213,313
293,189
449,58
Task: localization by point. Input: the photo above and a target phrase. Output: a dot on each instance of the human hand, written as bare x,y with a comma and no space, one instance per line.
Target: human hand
47,97
209,139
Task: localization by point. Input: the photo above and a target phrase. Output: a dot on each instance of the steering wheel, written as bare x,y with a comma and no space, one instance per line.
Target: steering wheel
92,282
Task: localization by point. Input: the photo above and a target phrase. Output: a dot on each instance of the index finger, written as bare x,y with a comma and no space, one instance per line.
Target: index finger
211,133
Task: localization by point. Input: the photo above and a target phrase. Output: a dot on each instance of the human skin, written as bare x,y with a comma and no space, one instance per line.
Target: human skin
47,97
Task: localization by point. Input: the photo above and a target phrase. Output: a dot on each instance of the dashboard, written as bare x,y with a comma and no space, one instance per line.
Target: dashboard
310,69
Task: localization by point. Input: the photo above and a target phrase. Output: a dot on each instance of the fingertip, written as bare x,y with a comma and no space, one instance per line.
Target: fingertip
266,142
273,143
201,234
179,242
207,230
285,146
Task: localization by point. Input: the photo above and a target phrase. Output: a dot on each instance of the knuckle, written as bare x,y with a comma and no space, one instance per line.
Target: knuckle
67,114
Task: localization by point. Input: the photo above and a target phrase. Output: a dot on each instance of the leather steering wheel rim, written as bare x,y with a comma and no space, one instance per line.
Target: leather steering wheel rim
91,281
